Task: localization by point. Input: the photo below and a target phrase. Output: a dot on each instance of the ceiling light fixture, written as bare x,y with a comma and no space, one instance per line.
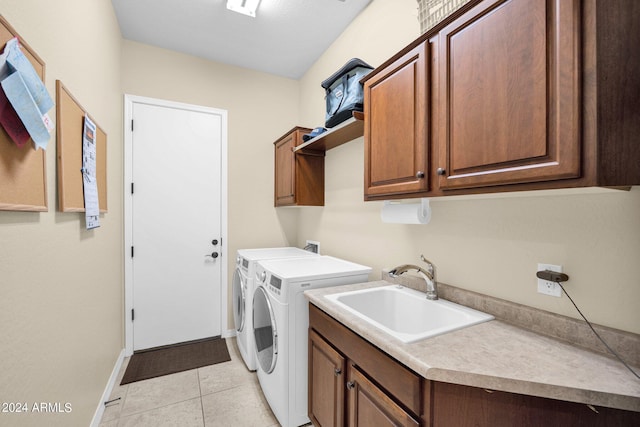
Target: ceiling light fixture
246,7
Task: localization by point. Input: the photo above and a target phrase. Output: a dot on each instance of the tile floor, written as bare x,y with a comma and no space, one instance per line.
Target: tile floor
225,395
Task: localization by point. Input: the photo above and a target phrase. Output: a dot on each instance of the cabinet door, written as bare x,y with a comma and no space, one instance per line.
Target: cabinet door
458,405
370,406
509,104
395,128
285,170
326,383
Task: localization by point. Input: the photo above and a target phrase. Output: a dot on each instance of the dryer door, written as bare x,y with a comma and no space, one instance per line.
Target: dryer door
239,299
264,331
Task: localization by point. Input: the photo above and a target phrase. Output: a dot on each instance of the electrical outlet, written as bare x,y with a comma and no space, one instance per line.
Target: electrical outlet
313,246
546,287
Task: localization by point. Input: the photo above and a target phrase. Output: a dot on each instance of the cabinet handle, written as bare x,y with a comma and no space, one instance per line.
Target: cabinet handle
337,371
420,174
441,171
351,385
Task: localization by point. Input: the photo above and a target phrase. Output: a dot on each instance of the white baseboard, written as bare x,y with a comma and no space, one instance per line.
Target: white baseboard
97,417
229,333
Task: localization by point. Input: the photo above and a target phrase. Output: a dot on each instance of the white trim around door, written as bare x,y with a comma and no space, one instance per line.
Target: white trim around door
129,101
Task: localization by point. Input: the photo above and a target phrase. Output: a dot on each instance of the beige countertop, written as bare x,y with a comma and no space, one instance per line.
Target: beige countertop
498,356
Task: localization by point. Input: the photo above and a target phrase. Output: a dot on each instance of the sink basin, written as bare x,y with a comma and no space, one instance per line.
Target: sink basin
407,314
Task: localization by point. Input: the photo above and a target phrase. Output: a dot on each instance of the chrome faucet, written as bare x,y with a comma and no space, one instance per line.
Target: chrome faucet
428,274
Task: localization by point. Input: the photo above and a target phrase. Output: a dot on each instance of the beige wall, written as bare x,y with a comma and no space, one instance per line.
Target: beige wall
261,108
61,304
489,245
60,285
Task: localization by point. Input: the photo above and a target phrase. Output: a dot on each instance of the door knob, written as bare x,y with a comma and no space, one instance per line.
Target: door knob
214,242
351,385
213,255
441,171
420,174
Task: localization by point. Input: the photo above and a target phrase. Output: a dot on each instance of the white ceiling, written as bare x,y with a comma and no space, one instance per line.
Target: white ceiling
285,38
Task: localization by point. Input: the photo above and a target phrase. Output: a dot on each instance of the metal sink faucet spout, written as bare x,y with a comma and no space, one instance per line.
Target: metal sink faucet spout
428,274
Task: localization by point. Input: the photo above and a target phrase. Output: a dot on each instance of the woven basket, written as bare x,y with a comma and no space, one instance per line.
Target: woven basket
432,12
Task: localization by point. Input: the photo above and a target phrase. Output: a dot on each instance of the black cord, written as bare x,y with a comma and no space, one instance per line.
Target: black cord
598,335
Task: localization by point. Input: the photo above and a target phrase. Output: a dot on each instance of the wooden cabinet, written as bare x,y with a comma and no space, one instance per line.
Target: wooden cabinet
299,177
353,383
396,126
327,369
461,406
371,406
374,390
518,95
509,94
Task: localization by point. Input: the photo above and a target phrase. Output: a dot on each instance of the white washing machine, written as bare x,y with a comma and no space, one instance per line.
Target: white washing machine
243,286
280,324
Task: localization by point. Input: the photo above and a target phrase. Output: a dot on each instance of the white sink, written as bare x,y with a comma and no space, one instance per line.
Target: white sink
407,314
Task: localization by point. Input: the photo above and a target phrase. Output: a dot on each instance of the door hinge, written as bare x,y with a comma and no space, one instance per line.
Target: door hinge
131,251
133,315
131,125
132,188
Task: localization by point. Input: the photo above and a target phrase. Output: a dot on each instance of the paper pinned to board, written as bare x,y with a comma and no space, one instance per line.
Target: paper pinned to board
26,108
9,119
11,122
19,63
89,182
27,96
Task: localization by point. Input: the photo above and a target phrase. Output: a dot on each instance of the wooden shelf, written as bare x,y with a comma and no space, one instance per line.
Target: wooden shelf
334,137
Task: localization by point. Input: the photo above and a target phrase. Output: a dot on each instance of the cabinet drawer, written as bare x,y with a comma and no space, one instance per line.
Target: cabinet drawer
368,406
387,373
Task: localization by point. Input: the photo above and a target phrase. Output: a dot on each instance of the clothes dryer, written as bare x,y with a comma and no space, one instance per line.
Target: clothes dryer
243,285
280,327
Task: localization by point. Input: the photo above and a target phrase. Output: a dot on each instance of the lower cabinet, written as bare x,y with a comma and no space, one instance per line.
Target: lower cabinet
326,379
353,383
458,405
369,405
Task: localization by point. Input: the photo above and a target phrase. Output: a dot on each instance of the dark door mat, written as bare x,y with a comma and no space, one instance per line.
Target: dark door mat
175,358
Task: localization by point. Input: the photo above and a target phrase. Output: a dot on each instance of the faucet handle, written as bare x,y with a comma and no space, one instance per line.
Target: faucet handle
430,266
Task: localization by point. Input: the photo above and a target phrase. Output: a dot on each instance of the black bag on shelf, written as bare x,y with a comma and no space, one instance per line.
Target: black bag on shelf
344,92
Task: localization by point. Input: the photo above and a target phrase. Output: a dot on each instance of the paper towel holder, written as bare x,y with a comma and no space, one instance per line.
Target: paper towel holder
422,210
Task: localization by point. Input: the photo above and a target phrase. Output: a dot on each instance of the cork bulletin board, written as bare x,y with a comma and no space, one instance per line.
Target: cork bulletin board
23,175
70,122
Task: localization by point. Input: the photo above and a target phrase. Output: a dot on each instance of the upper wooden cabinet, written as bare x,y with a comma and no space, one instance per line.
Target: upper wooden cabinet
518,95
509,94
299,177
396,124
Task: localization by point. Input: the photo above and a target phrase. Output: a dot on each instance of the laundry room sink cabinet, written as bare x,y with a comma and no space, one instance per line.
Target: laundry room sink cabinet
299,176
353,382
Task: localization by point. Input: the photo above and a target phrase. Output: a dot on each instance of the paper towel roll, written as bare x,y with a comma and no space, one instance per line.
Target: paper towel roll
406,213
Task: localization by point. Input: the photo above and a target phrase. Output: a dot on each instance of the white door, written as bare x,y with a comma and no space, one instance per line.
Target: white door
175,231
